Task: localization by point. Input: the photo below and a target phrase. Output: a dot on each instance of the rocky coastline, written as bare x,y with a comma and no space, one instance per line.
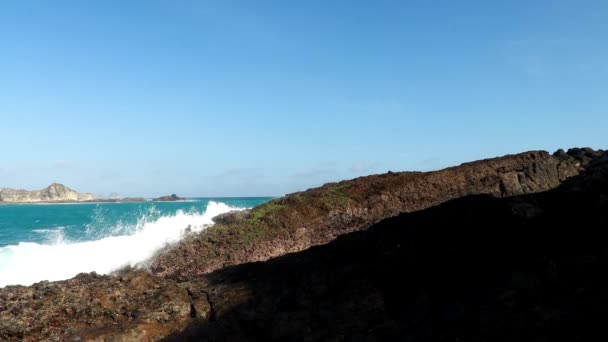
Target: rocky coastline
509,248
316,216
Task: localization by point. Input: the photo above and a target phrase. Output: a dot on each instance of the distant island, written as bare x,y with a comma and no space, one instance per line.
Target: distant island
53,193
56,193
169,198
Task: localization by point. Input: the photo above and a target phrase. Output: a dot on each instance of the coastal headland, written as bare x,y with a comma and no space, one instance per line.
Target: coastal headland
57,193
508,248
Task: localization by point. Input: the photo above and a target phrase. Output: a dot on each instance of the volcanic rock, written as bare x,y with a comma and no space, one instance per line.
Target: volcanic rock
317,216
484,266
129,306
470,269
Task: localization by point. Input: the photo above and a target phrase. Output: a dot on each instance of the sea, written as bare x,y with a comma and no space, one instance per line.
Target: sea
58,241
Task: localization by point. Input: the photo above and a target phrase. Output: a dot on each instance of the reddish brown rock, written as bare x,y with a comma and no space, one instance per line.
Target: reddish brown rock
131,306
478,264
317,216
477,268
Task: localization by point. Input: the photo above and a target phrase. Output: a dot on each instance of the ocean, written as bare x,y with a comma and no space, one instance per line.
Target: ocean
58,241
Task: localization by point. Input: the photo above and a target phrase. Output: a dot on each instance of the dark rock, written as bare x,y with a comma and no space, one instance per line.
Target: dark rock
170,198
481,266
470,269
317,216
132,305
584,155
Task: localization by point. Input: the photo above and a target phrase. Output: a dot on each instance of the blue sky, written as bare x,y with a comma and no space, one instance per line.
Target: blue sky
236,98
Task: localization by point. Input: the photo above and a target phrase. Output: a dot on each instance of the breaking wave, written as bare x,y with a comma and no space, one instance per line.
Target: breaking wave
29,262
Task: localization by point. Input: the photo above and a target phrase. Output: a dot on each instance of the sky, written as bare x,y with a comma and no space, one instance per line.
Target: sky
246,98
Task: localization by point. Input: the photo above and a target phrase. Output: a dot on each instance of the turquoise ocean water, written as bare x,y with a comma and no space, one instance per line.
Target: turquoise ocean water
57,241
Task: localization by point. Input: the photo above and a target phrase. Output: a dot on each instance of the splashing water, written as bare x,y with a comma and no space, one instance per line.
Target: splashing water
121,245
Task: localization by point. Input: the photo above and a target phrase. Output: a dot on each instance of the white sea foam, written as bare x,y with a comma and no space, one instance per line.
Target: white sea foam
55,236
48,231
28,262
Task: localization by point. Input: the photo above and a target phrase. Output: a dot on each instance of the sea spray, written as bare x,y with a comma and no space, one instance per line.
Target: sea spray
28,262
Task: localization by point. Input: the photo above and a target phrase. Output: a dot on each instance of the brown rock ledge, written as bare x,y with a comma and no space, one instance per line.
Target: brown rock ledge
491,266
317,216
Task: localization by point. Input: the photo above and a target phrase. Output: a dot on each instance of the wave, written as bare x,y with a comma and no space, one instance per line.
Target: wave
28,262
46,231
55,236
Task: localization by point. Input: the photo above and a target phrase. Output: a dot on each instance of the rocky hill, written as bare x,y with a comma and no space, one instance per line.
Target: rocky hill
477,268
53,193
317,216
504,249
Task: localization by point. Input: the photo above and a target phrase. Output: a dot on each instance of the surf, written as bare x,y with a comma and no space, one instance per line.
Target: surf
28,262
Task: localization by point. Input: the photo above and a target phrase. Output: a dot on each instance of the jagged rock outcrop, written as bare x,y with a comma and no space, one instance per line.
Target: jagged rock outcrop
475,268
480,267
317,216
53,193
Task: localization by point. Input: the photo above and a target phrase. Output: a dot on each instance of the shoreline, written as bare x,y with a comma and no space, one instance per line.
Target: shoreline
129,200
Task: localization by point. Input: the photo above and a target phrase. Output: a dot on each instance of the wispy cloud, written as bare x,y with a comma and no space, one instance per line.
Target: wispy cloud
321,170
313,173
243,175
363,167
109,176
18,170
